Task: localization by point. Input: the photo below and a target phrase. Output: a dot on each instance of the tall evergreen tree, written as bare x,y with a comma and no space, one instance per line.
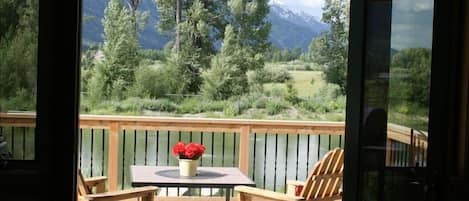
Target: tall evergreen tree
250,23
174,12
116,72
331,49
195,50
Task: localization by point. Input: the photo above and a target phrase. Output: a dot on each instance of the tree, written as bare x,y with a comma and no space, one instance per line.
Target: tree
331,48
174,12
170,17
228,75
115,74
195,50
249,22
18,53
411,81
9,16
138,18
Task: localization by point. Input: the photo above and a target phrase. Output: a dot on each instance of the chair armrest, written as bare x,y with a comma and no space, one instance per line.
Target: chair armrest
292,186
251,193
295,183
147,193
98,182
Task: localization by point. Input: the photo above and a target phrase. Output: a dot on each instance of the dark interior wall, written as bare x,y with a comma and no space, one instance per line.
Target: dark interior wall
464,134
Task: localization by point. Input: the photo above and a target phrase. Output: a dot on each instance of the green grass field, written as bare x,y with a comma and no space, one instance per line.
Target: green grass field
302,83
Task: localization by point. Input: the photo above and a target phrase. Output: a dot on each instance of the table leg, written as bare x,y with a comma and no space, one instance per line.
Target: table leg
228,194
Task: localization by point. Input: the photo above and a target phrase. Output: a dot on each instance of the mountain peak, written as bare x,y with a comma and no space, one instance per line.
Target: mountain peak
284,20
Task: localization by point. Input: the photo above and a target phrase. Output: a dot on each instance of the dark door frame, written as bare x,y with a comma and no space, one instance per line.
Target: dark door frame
52,175
446,65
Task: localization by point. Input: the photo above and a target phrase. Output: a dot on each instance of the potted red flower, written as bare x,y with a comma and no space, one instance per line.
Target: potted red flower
188,155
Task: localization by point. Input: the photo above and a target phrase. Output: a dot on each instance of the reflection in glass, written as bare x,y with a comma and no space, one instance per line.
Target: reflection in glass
409,81
18,70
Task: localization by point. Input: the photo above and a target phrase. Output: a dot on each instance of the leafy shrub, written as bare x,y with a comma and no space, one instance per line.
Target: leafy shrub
149,82
22,100
277,75
270,75
275,106
261,102
255,81
231,110
327,99
130,104
292,94
191,106
214,105
162,105
275,91
223,80
237,105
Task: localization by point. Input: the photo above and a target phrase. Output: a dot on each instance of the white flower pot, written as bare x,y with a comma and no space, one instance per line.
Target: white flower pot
187,167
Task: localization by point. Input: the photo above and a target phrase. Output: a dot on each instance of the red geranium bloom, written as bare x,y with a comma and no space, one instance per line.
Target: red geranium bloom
190,151
179,149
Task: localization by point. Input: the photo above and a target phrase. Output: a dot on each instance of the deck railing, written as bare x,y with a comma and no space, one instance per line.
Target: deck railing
268,151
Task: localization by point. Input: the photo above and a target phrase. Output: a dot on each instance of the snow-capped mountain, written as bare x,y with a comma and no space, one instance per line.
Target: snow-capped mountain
293,29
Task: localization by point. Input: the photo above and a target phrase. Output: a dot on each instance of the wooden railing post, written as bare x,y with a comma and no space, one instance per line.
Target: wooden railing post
244,149
389,153
113,155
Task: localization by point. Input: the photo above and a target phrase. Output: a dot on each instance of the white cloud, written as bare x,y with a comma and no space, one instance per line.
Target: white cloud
278,2
313,7
415,5
312,3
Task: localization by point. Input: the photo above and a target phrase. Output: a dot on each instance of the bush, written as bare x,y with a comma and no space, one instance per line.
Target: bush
292,94
275,90
149,83
162,105
275,106
223,81
232,110
191,106
22,101
255,81
327,99
270,75
260,103
237,105
277,75
214,106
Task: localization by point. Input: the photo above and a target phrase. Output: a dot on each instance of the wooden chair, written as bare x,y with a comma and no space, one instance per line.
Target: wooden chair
323,184
86,186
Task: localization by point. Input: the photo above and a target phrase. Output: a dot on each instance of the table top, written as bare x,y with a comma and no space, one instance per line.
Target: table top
168,176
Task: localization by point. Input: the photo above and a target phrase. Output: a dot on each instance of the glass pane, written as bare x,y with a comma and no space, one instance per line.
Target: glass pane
18,71
393,137
409,82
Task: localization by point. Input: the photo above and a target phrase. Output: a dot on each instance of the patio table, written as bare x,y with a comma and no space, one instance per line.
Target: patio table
207,177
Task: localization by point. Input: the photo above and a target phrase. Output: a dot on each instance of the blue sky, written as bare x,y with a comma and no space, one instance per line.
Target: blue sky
312,7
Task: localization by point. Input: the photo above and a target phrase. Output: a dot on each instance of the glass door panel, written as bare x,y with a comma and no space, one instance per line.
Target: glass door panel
395,101
18,80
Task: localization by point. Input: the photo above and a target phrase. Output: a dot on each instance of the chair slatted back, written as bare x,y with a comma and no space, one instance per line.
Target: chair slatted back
325,180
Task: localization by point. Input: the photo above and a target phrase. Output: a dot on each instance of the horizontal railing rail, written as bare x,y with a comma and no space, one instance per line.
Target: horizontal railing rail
248,138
